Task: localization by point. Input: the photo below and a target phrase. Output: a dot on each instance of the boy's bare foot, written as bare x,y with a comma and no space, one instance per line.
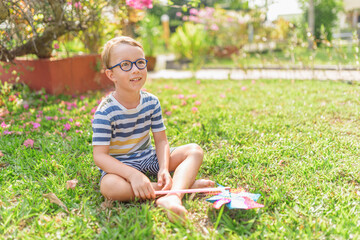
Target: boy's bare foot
172,204
203,183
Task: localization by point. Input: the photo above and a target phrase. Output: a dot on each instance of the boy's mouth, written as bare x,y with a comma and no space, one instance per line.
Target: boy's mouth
135,79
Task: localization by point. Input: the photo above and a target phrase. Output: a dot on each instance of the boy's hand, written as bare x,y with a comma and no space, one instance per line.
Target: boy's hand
164,179
142,187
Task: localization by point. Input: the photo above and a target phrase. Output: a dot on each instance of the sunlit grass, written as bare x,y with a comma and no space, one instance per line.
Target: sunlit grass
295,142
299,57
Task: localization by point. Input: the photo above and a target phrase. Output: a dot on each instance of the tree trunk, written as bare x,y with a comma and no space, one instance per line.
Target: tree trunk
311,22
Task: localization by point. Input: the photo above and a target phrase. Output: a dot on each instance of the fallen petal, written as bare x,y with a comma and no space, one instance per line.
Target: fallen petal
71,184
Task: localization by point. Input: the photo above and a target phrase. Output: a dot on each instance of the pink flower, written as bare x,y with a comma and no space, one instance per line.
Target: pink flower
197,103
194,109
193,96
6,132
26,106
71,120
4,125
71,183
29,143
78,131
77,5
214,27
243,88
193,11
174,107
222,95
168,113
56,46
67,126
183,103
139,4
198,81
82,97
181,96
179,14
78,124
93,110
36,125
12,98
48,118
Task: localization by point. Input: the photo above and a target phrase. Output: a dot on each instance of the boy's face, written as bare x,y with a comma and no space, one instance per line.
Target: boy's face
133,80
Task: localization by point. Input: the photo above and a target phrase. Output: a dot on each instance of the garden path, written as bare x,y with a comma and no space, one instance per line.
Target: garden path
239,74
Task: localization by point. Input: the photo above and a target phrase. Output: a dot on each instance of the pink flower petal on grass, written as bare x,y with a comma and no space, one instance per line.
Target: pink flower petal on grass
222,95
4,125
29,143
168,113
194,109
36,125
1,154
67,126
181,96
71,183
197,103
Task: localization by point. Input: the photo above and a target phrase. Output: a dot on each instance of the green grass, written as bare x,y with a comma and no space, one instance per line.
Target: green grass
295,142
296,57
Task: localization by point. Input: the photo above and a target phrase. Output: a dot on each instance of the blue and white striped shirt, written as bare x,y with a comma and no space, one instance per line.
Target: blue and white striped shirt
126,131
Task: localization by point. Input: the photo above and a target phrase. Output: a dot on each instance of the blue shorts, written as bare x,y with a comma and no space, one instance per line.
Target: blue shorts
149,166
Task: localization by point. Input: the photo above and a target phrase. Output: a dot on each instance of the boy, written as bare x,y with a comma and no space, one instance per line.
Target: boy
121,140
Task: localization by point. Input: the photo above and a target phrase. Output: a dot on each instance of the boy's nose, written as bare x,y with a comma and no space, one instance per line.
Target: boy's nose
135,68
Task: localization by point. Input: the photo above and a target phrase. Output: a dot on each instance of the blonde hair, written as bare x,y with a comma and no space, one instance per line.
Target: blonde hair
105,55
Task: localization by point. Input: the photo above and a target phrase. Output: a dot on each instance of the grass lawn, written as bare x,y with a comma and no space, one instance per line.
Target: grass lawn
296,57
294,142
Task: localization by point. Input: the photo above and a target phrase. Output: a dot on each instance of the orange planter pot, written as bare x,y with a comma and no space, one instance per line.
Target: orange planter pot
65,76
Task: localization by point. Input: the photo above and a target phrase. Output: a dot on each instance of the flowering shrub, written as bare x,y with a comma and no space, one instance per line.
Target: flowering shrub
139,4
225,28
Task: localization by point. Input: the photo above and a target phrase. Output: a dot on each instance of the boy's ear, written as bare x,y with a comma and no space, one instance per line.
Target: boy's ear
110,74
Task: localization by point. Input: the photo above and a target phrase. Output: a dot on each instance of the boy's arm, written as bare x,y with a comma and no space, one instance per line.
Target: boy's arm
163,154
140,184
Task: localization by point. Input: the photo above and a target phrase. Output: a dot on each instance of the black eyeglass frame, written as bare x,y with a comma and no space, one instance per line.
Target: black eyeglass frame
132,64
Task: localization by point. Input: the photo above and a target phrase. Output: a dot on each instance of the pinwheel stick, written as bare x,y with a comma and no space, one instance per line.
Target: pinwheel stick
194,190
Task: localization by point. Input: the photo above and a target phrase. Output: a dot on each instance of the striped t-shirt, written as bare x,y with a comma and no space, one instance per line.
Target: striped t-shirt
126,131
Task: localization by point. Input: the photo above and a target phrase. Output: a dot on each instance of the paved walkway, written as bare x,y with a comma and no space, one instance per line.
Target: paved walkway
238,74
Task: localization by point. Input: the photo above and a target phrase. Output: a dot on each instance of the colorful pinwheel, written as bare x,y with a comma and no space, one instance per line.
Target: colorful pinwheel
235,199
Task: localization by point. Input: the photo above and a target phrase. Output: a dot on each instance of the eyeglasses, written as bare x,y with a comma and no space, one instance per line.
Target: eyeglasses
127,65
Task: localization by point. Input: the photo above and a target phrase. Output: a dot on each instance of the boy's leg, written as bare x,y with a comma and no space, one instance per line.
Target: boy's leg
114,187
185,161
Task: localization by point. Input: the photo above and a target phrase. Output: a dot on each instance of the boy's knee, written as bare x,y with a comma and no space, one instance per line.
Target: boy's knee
107,186
196,150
